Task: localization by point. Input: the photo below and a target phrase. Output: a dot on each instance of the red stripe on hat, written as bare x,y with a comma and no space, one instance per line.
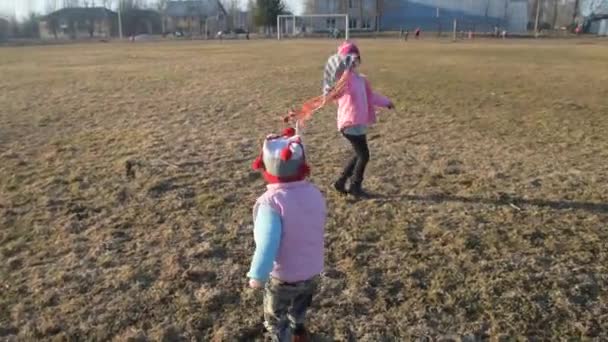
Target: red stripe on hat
304,172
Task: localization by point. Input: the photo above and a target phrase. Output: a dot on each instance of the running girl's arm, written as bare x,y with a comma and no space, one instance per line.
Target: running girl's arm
381,101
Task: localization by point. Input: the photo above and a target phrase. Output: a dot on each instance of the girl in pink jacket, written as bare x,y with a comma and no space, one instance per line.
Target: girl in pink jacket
356,112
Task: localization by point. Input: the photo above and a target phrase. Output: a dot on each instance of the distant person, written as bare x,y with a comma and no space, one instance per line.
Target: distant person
356,112
504,34
289,227
406,35
247,34
418,31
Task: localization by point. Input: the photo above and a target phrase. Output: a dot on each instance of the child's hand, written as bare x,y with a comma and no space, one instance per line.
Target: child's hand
254,284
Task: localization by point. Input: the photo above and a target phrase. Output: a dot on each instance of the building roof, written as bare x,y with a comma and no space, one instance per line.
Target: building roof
207,8
82,12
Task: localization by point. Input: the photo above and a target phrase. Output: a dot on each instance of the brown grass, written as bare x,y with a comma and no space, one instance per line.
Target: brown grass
490,219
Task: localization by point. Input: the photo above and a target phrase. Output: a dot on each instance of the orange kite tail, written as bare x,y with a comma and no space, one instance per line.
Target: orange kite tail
310,106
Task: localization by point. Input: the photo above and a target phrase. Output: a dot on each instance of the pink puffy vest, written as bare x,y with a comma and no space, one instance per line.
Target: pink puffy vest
303,214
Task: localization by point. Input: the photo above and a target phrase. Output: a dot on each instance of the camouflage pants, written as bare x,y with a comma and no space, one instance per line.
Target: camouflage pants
285,306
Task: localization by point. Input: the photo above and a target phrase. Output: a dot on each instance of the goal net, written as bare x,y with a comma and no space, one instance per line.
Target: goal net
313,25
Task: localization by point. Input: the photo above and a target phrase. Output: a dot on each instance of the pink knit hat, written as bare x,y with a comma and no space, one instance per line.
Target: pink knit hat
348,48
282,159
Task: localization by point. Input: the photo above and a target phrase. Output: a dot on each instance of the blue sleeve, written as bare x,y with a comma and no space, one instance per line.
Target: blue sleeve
267,236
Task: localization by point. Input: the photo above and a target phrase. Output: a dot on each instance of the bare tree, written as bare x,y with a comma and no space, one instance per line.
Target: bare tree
235,11
251,12
14,29
52,22
232,7
130,4
30,26
161,6
71,3
554,23
50,7
309,6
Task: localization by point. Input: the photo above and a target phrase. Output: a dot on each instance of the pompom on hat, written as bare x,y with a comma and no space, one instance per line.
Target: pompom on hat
282,159
349,48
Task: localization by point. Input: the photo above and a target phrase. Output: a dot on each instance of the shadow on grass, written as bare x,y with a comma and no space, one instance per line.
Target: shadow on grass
257,332
514,202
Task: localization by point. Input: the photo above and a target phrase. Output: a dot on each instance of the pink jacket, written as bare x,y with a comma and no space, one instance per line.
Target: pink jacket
357,105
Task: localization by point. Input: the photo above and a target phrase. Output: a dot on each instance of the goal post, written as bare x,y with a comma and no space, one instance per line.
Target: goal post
285,18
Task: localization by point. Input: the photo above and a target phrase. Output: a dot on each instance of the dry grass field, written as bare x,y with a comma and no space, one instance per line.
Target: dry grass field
489,220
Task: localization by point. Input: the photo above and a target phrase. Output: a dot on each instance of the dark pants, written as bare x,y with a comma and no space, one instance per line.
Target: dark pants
355,168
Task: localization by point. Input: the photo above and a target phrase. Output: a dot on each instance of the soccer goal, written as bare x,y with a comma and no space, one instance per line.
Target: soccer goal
306,25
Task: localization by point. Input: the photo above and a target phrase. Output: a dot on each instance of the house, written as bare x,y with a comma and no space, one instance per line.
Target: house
4,28
240,20
195,17
79,22
598,25
594,16
140,21
362,14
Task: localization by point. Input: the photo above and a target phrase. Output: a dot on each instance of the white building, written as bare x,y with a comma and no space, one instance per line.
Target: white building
429,15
